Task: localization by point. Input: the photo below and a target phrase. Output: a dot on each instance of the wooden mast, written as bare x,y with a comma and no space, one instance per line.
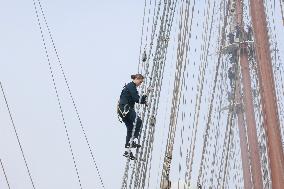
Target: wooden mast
248,105
268,95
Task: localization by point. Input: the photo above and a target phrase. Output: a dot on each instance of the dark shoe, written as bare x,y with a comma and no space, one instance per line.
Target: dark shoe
129,155
134,145
199,186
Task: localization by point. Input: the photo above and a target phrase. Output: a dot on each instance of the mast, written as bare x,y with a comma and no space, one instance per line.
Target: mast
244,152
243,142
248,105
268,95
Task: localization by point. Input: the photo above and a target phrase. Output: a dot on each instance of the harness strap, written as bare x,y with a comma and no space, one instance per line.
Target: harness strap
123,113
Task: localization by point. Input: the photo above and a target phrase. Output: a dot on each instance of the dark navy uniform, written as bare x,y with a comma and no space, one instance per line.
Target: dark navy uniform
128,97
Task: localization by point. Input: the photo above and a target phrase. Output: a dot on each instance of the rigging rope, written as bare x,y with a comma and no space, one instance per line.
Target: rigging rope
125,175
6,178
213,94
225,164
149,133
282,12
71,95
179,75
142,34
17,136
203,66
57,95
199,95
158,84
166,112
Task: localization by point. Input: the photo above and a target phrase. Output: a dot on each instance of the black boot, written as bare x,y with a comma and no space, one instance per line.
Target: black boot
129,155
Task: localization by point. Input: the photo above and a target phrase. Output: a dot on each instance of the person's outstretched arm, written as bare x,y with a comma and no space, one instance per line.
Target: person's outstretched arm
134,94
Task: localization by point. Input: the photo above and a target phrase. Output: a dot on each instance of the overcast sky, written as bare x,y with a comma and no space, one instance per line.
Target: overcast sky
98,42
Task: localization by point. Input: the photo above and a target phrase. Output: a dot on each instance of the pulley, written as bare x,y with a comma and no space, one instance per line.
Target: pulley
144,56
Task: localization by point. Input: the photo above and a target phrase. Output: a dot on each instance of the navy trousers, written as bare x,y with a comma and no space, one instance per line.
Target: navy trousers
129,121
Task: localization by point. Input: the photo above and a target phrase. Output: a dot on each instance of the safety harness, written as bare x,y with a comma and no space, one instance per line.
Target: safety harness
122,113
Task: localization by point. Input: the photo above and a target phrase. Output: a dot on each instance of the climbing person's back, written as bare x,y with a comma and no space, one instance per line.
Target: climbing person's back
129,95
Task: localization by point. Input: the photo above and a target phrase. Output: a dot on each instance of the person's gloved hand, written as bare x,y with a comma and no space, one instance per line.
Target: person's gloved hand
146,98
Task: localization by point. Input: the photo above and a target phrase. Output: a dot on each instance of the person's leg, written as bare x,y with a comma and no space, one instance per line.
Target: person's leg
138,127
137,122
129,127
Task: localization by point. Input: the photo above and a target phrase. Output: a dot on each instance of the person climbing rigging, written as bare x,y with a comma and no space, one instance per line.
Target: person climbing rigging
238,32
231,37
128,97
249,33
232,76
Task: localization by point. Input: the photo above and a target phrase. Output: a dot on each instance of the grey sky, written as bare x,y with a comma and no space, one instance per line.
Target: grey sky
98,42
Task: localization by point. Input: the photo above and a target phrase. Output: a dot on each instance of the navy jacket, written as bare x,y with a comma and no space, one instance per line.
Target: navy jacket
129,95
